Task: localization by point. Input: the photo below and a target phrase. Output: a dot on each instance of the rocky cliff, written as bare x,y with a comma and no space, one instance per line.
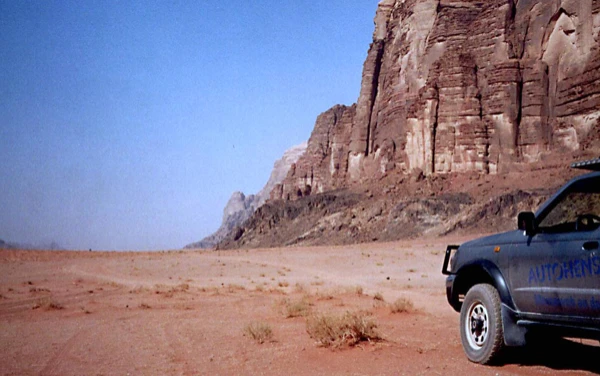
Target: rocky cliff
462,86
241,207
469,112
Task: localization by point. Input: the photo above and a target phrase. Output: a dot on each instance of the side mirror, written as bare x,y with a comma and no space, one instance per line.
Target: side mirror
526,223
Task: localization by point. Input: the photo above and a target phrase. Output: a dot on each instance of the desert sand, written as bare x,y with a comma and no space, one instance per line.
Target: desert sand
185,313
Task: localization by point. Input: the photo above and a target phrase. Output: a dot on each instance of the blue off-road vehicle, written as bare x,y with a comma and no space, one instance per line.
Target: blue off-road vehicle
542,279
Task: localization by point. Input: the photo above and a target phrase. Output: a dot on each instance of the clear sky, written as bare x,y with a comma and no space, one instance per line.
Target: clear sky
127,125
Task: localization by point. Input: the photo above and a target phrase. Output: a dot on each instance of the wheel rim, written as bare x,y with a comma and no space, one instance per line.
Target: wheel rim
477,325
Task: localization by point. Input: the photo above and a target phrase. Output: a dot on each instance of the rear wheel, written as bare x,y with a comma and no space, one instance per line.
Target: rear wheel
481,331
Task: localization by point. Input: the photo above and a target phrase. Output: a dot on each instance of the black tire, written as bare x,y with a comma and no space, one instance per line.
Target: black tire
481,330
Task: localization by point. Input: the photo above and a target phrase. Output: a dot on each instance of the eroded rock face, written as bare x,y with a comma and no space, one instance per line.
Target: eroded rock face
241,207
325,162
462,86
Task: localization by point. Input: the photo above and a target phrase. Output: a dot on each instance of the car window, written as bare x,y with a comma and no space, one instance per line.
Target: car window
577,210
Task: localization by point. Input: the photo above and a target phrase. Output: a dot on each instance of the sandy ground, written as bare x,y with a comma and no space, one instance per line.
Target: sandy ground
184,313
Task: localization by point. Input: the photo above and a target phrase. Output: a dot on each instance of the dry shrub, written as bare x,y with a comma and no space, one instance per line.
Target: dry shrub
170,291
336,331
232,287
183,307
379,297
402,305
300,288
299,308
47,304
259,331
276,290
358,290
145,306
38,289
324,295
139,290
114,284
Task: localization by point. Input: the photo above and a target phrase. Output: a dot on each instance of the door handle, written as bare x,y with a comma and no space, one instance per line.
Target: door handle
590,246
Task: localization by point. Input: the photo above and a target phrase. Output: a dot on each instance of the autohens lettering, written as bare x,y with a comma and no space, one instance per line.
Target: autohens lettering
571,269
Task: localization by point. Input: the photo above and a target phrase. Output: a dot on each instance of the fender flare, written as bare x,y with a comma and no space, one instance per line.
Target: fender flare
514,335
494,274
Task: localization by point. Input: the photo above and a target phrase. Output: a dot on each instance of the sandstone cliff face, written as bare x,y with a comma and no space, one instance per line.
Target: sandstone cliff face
325,162
241,207
462,86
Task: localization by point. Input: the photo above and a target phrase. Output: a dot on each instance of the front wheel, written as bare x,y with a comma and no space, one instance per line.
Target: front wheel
481,331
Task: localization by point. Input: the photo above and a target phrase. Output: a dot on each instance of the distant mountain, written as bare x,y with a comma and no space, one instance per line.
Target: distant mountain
241,207
4,245
50,247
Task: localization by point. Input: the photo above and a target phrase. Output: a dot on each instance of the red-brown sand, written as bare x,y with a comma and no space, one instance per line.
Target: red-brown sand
184,313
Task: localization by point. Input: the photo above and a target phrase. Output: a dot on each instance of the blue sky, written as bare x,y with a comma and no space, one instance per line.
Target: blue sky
127,125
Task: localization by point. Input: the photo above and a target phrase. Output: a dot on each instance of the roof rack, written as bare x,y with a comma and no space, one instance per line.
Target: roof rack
592,165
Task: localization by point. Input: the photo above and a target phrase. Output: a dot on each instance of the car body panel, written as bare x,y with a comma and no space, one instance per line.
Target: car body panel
550,277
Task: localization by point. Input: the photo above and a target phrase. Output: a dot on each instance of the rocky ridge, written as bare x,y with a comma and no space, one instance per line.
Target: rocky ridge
399,208
52,246
241,207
